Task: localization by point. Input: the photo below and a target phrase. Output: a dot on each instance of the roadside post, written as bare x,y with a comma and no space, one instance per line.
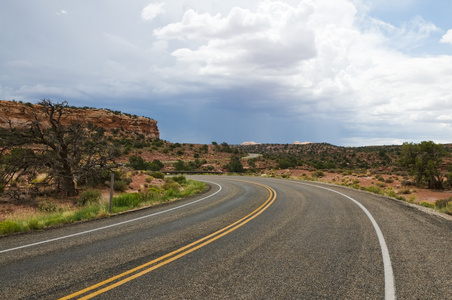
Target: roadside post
112,183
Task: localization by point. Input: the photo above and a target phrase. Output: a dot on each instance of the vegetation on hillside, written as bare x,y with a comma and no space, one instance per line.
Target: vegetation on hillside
423,165
329,157
324,156
116,112
48,159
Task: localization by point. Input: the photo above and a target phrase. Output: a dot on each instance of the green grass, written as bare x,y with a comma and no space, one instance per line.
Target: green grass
444,205
127,200
8,227
96,210
427,204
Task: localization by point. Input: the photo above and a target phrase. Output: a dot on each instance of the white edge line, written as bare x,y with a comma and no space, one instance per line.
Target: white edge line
389,275
113,225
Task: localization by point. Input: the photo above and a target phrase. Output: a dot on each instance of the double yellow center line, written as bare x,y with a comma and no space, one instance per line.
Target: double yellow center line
143,269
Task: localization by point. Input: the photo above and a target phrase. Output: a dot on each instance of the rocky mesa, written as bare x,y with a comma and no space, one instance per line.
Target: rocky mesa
18,114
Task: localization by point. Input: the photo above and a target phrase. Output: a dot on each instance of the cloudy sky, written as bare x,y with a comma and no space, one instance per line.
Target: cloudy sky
345,72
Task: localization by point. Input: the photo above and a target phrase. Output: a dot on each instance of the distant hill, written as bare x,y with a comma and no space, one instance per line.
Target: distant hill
327,156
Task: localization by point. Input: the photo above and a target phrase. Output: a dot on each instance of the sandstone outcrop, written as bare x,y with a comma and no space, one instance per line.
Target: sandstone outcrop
20,114
249,143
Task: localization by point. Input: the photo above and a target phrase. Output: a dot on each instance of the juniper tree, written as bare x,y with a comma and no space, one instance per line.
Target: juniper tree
70,150
423,161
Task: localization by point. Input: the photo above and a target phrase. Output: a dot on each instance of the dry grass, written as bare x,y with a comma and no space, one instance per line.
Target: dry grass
54,212
387,182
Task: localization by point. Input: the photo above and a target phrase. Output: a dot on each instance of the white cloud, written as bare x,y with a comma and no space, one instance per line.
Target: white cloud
447,38
275,36
445,118
389,4
62,12
151,11
409,35
317,59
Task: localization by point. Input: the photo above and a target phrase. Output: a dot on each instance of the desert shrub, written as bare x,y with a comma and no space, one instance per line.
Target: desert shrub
442,203
89,196
447,208
407,183
48,206
120,185
180,179
373,189
127,179
154,189
158,175
427,204
171,185
138,163
411,198
124,174
209,168
391,193
235,165
318,173
171,194
401,173
286,174
169,179
389,180
150,194
149,179
405,191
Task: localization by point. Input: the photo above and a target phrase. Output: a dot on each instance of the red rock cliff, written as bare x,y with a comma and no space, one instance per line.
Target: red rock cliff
19,114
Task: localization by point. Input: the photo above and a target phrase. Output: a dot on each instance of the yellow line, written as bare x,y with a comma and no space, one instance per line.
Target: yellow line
172,256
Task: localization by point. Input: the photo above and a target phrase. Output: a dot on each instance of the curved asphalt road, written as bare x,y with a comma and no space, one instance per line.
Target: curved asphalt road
246,238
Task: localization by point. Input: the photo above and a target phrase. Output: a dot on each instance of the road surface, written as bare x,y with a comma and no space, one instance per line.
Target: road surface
246,238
